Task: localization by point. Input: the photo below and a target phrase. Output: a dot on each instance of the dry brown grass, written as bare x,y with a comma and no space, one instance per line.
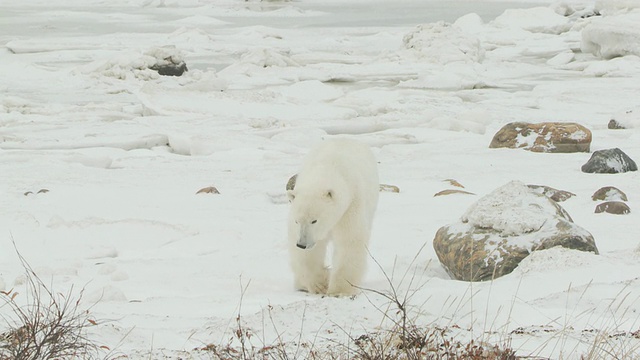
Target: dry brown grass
42,324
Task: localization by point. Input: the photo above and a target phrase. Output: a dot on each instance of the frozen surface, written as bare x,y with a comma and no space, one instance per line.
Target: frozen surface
123,151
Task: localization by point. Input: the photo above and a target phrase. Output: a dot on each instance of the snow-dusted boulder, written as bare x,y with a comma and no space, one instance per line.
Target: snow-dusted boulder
609,161
549,137
443,43
501,229
553,194
145,66
609,193
167,61
612,36
613,207
536,20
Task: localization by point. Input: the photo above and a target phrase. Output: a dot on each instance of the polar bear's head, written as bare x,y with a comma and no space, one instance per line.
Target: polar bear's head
314,214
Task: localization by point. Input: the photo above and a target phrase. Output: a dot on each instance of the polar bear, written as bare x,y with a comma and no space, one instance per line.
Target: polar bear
334,199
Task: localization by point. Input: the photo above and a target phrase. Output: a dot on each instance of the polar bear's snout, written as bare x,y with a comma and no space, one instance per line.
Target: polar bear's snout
304,241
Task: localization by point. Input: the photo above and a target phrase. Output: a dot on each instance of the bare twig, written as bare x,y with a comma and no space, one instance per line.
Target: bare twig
49,326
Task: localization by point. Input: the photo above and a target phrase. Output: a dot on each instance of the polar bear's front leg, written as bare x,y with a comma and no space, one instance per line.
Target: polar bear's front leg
309,271
349,265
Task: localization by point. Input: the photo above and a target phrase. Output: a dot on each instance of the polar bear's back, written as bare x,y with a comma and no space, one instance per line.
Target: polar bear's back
343,160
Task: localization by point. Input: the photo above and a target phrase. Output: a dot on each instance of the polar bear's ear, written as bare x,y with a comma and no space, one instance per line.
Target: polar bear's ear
291,195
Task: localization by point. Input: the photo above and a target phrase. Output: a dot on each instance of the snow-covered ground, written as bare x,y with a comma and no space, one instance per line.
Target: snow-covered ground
123,151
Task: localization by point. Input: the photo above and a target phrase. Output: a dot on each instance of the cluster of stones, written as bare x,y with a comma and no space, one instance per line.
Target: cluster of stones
505,226
614,201
554,137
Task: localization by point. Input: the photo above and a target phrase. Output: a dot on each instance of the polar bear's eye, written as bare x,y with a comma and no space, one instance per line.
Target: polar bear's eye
314,221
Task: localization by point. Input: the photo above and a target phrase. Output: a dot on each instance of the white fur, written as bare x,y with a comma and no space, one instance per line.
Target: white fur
334,199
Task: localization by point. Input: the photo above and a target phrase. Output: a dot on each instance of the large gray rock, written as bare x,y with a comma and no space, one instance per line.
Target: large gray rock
609,161
501,229
549,137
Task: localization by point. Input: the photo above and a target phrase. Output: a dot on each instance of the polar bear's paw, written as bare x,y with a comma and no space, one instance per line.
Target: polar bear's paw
318,288
341,287
315,283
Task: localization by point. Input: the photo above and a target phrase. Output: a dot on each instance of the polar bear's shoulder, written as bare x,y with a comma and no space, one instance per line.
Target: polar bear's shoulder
339,161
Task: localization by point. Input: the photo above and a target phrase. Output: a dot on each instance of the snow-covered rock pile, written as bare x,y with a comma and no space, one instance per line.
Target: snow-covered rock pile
501,229
144,66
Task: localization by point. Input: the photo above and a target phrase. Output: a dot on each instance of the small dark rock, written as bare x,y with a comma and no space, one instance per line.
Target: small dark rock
613,124
41,191
208,190
454,183
609,161
613,207
389,188
292,182
452,191
590,14
170,69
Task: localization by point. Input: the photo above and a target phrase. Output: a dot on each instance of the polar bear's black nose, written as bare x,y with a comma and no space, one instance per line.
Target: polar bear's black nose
301,246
